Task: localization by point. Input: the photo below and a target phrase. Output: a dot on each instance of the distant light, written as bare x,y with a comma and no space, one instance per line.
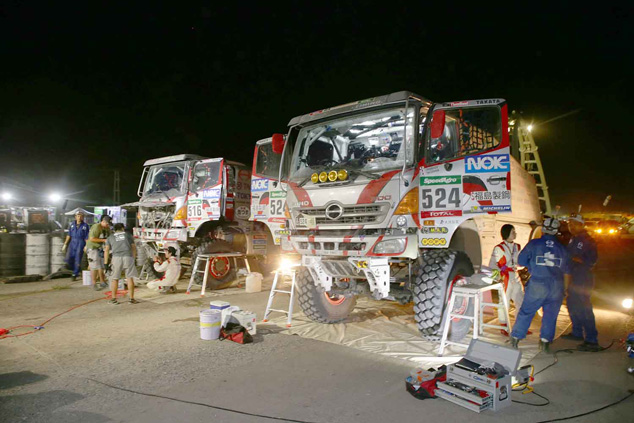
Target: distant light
530,128
7,196
628,303
55,197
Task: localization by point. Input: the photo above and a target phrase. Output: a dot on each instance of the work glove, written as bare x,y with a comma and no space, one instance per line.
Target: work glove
64,247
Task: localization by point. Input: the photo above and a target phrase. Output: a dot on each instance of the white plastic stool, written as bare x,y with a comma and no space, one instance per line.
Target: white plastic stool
474,292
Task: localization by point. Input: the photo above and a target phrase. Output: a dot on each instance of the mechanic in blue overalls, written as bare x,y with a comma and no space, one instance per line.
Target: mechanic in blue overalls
549,265
77,236
583,254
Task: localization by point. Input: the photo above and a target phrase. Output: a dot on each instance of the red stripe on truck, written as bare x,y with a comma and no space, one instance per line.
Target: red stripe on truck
374,188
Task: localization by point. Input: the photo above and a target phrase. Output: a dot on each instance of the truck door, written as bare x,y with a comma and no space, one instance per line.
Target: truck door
466,167
204,200
268,200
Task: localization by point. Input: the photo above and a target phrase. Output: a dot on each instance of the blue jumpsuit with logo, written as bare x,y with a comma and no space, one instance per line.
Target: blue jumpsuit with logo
583,248
78,235
547,261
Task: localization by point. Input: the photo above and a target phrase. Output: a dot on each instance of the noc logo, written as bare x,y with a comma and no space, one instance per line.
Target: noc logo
488,163
259,185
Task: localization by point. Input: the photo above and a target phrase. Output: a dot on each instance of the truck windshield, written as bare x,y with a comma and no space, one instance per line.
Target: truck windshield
367,143
165,178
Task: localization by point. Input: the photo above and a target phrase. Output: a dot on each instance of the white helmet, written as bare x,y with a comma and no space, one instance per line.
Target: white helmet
551,226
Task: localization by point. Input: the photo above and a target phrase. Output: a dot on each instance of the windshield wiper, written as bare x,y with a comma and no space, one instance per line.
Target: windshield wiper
365,173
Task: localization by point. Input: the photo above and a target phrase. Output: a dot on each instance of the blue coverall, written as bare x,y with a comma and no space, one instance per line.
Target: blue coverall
78,235
584,249
547,261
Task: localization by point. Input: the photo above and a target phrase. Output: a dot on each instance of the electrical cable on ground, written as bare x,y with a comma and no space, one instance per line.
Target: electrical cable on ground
230,410
591,411
41,326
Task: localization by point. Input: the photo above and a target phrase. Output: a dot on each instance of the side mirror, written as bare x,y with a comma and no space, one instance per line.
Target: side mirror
438,124
278,143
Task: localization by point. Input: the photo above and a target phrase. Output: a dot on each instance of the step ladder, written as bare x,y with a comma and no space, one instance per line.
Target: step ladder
474,293
206,258
279,276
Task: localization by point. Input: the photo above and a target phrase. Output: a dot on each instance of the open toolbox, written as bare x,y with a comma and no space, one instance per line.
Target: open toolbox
481,380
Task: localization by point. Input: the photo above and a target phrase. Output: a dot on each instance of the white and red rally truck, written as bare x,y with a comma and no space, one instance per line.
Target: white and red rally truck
199,205
394,197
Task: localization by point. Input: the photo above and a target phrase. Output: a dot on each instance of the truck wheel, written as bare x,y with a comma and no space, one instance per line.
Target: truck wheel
438,268
221,271
319,305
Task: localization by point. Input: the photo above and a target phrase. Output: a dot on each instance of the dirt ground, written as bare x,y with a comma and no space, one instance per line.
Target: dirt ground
58,374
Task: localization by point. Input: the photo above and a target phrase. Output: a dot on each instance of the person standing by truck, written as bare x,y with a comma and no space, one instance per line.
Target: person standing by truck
504,258
121,245
549,264
76,238
97,236
583,251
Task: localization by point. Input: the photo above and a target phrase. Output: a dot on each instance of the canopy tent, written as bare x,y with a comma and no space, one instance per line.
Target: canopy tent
79,209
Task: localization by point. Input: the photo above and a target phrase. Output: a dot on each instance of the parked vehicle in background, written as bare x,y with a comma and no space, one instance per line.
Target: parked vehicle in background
607,228
394,197
199,206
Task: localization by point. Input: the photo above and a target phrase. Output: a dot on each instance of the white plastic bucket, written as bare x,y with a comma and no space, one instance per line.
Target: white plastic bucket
210,324
254,282
218,305
86,277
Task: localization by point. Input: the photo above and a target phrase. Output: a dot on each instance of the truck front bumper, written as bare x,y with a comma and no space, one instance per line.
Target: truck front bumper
160,235
401,245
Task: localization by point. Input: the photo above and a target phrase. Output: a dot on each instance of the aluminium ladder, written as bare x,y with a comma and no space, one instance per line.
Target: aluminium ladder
289,313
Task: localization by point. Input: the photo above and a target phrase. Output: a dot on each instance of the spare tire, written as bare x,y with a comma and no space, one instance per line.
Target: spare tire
221,272
437,269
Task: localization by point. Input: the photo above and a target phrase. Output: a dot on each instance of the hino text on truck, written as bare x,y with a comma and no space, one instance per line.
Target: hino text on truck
199,205
394,197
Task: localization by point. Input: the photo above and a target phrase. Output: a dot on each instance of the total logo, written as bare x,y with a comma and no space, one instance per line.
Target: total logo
259,185
488,163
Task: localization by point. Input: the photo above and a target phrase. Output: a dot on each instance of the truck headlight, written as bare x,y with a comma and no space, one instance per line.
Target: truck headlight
627,303
391,246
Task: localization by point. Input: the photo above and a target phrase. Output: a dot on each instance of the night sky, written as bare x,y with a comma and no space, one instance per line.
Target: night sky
85,90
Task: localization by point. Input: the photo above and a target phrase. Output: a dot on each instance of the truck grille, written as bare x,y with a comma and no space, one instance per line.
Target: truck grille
359,214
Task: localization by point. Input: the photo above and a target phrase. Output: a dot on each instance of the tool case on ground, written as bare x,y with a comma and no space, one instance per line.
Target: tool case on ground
482,379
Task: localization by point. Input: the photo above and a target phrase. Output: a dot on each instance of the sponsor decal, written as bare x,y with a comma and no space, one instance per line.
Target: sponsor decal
259,242
490,101
259,236
242,212
277,219
434,242
430,170
384,198
440,180
242,196
495,208
490,195
282,232
487,163
444,213
260,185
429,222
259,210
459,103
278,194
244,175
211,193
449,221
434,230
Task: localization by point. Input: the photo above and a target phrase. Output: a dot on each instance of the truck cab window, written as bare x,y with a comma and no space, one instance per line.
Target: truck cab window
467,131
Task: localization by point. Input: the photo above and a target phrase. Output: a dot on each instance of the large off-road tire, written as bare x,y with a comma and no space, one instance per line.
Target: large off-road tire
222,272
438,268
317,304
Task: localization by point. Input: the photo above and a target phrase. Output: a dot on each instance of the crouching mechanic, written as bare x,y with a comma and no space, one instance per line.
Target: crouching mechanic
172,269
121,244
549,264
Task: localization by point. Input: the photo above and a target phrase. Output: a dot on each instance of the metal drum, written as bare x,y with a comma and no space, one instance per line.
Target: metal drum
37,254
12,254
58,258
